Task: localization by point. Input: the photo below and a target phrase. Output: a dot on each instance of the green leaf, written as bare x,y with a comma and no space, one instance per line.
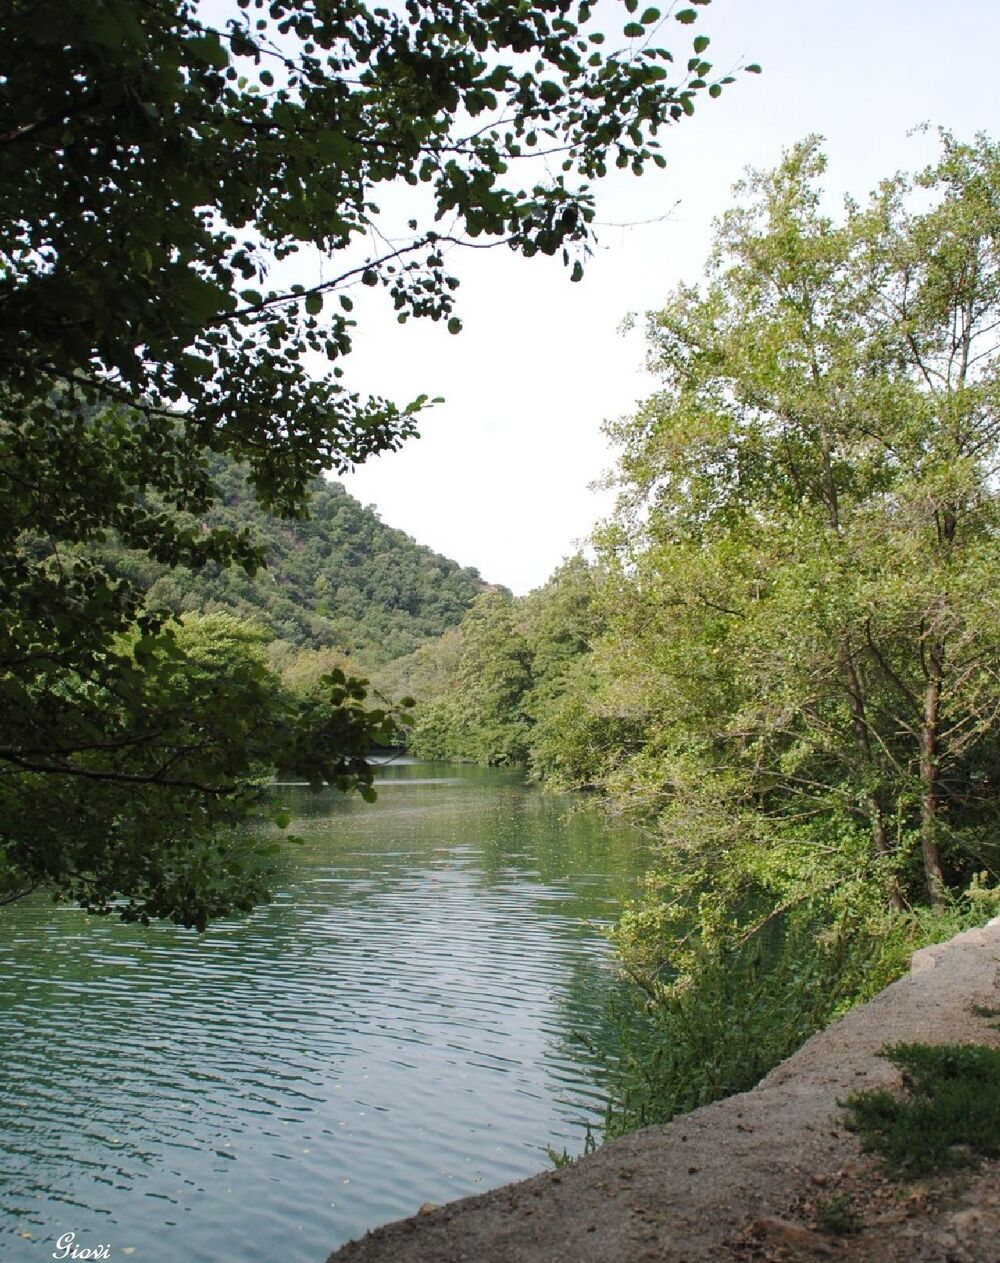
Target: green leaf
701,42
156,362
207,47
686,16
633,31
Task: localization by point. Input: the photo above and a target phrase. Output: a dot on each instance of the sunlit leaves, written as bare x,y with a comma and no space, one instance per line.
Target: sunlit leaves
803,530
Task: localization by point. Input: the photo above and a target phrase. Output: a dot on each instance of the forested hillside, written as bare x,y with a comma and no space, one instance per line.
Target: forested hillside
339,578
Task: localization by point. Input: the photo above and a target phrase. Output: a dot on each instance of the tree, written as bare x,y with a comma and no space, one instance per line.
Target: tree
154,169
505,686
480,715
131,780
806,547
157,175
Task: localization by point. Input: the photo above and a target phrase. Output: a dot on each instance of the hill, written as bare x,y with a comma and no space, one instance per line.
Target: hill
339,578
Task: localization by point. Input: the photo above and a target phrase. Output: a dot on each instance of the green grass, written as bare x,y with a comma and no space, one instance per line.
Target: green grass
838,1218
949,1116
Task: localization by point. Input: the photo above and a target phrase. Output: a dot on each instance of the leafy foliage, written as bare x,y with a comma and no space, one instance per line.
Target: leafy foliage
155,169
158,176
741,1004
131,780
802,617
790,666
496,692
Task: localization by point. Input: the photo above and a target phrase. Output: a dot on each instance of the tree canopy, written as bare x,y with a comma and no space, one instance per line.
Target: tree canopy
786,661
158,171
166,181
807,536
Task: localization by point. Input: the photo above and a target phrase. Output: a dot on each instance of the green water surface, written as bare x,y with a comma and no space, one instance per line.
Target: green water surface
397,1027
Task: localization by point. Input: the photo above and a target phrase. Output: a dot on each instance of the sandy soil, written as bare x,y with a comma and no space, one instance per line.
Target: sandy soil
744,1180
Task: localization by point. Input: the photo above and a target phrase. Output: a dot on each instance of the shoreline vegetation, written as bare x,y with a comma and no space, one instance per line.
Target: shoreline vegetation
781,657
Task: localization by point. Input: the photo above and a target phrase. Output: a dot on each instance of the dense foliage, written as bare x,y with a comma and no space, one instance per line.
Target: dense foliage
787,654
793,667
184,731
340,577
805,557
495,691
184,210
742,1003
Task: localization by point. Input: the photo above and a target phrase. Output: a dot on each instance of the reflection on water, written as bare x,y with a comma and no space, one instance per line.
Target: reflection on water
397,1027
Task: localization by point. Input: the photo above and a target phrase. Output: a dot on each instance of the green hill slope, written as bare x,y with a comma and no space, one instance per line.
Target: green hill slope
340,578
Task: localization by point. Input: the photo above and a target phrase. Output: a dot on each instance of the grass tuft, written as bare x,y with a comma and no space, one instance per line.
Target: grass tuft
838,1218
949,1117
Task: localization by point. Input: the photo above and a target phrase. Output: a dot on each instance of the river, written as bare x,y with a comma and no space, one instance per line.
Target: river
399,1026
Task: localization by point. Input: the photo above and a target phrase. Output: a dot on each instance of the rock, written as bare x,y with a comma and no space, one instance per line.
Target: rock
795,1236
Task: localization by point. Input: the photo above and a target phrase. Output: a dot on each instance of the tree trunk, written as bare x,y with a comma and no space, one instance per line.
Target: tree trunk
883,848
929,804
876,808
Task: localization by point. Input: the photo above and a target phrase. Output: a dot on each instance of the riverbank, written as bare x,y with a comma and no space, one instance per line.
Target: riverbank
749,1178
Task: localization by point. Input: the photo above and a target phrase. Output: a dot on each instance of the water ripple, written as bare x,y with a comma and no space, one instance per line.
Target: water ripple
395,1028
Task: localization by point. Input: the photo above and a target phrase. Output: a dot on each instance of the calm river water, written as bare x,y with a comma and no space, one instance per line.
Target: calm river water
397,1027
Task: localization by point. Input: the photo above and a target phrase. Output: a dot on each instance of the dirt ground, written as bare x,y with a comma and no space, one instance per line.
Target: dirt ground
756,1177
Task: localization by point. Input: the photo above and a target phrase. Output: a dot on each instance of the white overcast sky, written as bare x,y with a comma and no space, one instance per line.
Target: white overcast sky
499,478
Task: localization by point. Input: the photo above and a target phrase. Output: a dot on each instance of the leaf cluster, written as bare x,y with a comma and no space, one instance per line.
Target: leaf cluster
131,785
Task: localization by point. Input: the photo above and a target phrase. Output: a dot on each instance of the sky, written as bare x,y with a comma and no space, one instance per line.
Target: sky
501,476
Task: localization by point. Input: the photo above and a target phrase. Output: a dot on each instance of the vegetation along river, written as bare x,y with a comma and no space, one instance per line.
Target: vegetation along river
397,1027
